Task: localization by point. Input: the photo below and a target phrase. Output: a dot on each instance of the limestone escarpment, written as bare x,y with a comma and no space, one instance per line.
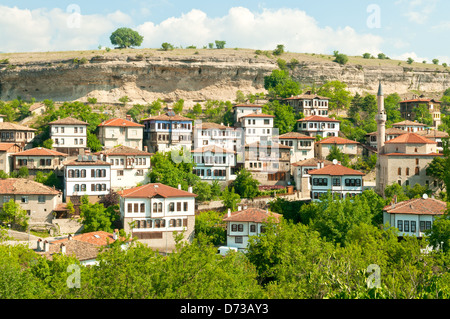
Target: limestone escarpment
195,78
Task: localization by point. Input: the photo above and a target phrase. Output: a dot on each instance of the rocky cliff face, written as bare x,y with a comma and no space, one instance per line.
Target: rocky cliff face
194,78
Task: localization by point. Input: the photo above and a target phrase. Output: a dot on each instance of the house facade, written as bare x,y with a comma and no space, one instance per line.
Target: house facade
323,147
413,217
208,134
69,136
214,163
257,127
245,223
18,134
245,109
36,199
39,159
341,181
119,131
404,161
129,166
318,125
269,162
87,175
152,212
309,104
300,172
6,156
167,131
302,146
372,141
408,109
409,126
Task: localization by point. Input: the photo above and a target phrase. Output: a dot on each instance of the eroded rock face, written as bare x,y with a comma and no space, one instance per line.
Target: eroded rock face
194,79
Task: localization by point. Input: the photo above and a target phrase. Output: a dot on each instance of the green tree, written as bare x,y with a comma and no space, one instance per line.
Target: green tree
279,83
23,172
125,38
178,106
211,225
340,97
422,114
11,213
279,50
203,191
435,61
48,143
167,46
409,60
230,199
367,55
245,185
337,154
392,108
340,58
284,114
439,234
220,44
93,142
96,217
437,169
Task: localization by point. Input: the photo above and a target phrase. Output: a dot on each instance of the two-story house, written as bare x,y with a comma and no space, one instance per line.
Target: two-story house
413,217
302,146
309,104
409,126
257,127
207,133
214,163
340,180
119,131
318,125
18,134
39,159
268,162
6,156
167,131
69,136
153,212
86,175
244,223
35,198
300,172
323,147
129,166
245,109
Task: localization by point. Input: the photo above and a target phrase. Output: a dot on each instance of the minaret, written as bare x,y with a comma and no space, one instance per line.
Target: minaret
381,138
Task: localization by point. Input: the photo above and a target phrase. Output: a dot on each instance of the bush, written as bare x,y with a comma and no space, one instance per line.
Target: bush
166,46
279,50
340,58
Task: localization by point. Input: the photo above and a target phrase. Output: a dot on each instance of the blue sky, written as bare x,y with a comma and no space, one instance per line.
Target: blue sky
399,28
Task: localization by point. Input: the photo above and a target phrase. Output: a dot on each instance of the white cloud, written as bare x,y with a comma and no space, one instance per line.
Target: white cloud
263,30
50,30
418,11
412,55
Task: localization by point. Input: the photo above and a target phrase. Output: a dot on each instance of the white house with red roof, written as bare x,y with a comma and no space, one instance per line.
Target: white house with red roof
341,181
214,163
409,126
245,223
318,125
69,135
119,131
323,147
300,173
309,104
152,212
129,166
257,127
302,146
413,217
208,134
246,109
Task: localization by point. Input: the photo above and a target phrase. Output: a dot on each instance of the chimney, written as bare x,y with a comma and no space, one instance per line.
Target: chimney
63,249
145,148
229,212
190,189
115,234
38,247
179,186
69,237
128,117
239,207
46,246
245,207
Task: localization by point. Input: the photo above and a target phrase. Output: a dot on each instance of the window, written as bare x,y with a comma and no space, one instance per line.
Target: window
417,171
185,206
179,207
407,171
238,239
171,207
83,187
240,227
7,198
136,207
41,199
253,228
413,226
233,227
400,225
406,225
399,171
92,187
120,173
130,208
142,208
24,200
76,188
336,182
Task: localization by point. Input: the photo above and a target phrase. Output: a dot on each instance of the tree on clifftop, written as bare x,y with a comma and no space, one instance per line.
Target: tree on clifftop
125,38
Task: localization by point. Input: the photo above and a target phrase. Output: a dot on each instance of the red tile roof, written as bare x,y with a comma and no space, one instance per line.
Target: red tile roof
247,105
312,162
8,126
390,131
40,151
120,122
213,149
410,138
168,117
421,100
22,186
317,118
335,170
418,206
408,123
123,150
68,121
99,238
295,136
307,96
257,115
6,146
412,154
255,215
271,145
336,140
153,190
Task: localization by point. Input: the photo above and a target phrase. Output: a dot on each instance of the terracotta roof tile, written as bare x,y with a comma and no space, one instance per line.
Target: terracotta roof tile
413,154
68,121
257,115
312,162
248,105
335,170
336,140
307,96
271,145
153,190
296,136
408,123
410,138
213,149
81,250
14,127
170,116
120,123
255,215
21,186
432,134
6,146
420,100
317,118
418,206
40,151
211,125
123,150
98,238
390,131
